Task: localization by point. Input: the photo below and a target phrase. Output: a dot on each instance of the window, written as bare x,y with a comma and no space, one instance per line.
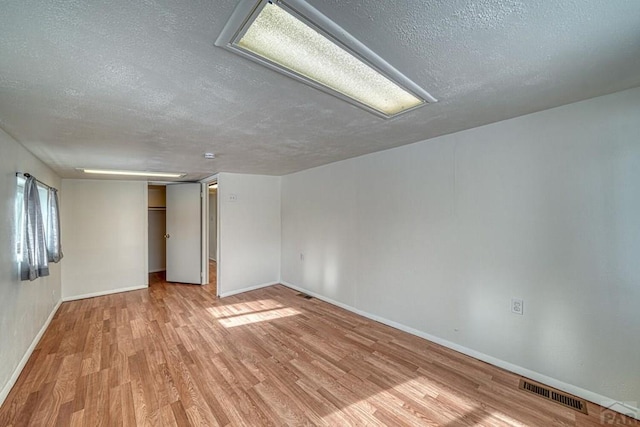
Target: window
19,215
19,209
37,243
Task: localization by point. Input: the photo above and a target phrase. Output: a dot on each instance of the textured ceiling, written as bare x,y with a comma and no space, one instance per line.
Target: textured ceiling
140,85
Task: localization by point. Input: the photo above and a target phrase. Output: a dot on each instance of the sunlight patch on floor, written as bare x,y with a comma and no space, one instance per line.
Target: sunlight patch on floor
229,310
421,391
259,316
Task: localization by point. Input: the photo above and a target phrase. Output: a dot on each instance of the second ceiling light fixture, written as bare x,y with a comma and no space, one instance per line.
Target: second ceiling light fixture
293,38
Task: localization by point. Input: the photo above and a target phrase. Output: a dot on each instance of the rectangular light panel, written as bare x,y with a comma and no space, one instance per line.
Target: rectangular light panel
134,173
284,41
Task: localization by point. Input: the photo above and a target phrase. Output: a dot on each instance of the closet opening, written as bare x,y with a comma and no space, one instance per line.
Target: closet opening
157,223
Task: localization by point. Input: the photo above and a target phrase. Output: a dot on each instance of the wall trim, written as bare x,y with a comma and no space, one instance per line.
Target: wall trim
16,373
250,288
592,397
157,270
102,293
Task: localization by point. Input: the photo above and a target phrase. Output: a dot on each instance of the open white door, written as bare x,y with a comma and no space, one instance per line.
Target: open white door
184,233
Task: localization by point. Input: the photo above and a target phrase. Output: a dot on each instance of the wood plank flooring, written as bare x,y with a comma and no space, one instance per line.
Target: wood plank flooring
176,355
213,278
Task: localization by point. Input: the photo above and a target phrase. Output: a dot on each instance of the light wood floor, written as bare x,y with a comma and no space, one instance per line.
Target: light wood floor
213,278
159,277
175,355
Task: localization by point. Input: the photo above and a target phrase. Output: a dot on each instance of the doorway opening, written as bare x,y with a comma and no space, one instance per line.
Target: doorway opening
213,231
178,234
157,225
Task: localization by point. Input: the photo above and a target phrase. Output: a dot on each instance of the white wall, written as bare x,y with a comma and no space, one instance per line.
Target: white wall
25,307
104,230
438,236
249,232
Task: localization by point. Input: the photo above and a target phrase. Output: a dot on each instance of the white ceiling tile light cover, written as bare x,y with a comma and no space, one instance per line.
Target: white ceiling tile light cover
297,49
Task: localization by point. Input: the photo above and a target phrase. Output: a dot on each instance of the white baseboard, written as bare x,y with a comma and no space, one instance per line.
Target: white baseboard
250,288
157,270
16,373
101,293
599,399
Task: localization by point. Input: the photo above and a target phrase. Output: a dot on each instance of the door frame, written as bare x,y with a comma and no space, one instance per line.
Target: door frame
195,189
205,229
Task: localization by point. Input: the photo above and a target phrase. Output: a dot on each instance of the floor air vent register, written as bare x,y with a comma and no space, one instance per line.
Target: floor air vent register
554,395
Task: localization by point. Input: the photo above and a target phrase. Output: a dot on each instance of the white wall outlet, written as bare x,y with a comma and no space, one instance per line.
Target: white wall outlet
517,306
233,197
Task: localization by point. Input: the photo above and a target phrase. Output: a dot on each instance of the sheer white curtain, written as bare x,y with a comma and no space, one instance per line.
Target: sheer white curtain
54,249
34,262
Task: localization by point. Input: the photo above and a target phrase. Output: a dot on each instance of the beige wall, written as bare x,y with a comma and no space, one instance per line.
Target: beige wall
104,230
249,209
437,237
25,307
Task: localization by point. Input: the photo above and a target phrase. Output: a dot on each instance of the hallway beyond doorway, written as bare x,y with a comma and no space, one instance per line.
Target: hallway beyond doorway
213,278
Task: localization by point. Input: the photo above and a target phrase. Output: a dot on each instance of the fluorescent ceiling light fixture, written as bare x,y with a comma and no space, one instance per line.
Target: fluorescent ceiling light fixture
134,173
293,38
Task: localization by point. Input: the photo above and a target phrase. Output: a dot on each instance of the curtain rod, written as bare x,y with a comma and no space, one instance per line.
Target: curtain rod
27,175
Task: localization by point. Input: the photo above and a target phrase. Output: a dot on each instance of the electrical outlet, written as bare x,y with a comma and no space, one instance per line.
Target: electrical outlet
517,306
233,197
